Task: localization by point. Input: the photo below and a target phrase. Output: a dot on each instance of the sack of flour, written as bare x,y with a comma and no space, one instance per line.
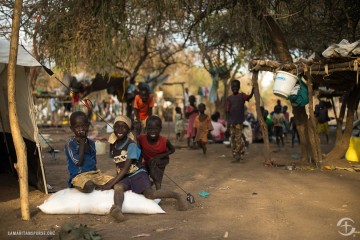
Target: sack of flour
72,201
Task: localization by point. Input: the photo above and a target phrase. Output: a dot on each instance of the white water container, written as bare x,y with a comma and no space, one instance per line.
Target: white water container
100,147
284,83
109,128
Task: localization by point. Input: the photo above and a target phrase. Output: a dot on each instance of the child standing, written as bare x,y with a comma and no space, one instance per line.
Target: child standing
179,124
155,150
235,107
81,156
202,127
269,124
322,117
287,120
130,96
143,105
130,174
294,131
278,120
190,113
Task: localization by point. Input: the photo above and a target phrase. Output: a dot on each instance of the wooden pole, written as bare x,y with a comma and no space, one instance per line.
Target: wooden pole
183,93
19,143
264,129
313,137
334,109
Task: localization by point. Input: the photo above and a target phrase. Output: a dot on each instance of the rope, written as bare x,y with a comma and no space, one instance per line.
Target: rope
175,183
52,149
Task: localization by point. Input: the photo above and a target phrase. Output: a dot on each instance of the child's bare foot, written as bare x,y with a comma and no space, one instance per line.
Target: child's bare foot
204,149
182,203
116,213
237,159
268,163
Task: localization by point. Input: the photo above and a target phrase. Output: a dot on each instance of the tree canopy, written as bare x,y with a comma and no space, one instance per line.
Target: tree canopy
137,35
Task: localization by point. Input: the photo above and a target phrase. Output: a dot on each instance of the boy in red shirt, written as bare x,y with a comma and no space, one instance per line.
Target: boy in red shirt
143,104
155,150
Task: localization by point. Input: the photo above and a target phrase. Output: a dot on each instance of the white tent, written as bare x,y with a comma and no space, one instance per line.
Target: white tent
26,115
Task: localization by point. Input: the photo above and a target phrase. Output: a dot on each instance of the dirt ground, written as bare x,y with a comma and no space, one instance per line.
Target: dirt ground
246,200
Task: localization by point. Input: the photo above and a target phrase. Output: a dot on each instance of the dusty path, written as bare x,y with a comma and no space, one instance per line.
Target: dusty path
246,201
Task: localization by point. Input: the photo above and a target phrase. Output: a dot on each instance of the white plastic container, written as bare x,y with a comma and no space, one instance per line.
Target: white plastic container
109,128
100,147
284,83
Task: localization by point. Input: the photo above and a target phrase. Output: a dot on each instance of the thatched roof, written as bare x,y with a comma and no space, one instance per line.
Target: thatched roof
335,72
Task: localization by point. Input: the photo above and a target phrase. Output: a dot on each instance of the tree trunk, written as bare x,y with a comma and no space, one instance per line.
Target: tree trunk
34,72
220,103
19,143
340,121
264,129
334,109
343,138
226,94
313,136
301,124
280,46
283,53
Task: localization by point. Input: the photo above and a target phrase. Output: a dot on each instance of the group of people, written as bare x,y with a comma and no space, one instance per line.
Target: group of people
279,123
140,157
141,154
201,126
139,161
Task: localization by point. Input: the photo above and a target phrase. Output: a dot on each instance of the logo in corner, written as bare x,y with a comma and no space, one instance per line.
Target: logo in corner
346,228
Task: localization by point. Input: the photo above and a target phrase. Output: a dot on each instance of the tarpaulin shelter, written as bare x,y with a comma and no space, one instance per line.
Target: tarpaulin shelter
26,115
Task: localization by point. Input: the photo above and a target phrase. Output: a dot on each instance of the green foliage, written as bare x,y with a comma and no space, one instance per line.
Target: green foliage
107,33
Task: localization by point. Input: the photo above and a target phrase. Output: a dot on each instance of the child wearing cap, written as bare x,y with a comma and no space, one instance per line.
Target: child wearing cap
130,173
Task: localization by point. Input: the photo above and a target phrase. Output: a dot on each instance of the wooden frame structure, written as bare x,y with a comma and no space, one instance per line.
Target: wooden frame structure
340,75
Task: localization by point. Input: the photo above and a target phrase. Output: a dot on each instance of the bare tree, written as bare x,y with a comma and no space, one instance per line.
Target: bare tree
20,147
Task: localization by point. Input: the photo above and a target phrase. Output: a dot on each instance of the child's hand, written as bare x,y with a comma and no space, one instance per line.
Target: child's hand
153,161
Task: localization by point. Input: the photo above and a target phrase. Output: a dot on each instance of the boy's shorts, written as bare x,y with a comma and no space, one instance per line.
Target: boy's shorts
97,177
322,128
138,182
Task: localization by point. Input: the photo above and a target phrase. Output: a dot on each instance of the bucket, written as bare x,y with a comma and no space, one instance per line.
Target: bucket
284,83
100,147
353,152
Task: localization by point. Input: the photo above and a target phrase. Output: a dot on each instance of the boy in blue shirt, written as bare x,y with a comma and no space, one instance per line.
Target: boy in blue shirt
81,156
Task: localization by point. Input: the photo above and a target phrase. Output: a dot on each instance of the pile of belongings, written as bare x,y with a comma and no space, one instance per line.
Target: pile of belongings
343,49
